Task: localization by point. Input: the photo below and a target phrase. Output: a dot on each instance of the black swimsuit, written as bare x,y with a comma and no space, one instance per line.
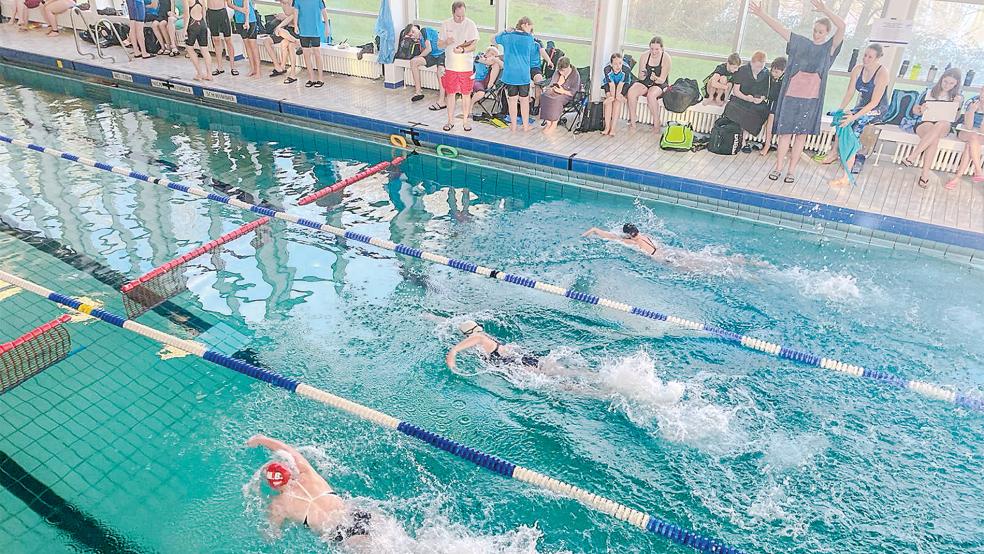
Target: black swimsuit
653,71
526,359
360,524
197,30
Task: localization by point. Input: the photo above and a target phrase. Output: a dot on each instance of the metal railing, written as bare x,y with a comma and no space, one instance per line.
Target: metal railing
75,32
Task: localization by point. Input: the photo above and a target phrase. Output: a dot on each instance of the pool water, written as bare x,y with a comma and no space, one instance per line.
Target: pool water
147,446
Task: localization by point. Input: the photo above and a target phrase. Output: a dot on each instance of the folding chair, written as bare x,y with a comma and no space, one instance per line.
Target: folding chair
579,102
493,104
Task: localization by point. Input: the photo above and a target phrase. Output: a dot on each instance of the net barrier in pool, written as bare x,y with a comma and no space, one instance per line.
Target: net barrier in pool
167,280
642,520
931,390
33,352
314,196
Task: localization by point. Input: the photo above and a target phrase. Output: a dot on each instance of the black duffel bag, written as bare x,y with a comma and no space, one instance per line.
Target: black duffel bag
682,94
726,137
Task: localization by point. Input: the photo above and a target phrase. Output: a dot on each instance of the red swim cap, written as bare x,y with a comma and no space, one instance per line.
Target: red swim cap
277,474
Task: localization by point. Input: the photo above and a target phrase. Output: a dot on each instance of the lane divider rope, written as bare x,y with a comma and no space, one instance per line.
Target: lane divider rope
931,390
647,522
185,258
350,180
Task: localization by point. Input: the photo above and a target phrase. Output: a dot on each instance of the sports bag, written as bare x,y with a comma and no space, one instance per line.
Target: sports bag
677,136
593,118
726,137
682,94
408,47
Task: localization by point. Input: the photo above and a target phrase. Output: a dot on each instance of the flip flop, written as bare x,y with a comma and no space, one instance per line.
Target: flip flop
448,127
436,108
923,183
319,84
774,175
290,81
233,72
417,98
789,180
907,163
218,72
467,128
309,84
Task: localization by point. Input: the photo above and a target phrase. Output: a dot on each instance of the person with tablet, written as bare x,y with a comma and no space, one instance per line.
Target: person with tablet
933,116
971,131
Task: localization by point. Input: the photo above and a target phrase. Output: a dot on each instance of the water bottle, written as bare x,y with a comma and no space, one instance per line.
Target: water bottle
948,66
931,76
905,67
854,60
916,70
123,11
970,78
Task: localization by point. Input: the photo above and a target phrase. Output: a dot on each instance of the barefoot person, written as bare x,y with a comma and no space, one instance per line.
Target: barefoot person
870,79
616,83
306,498
489,348
653,80
196,39
52,9
518,51
971,132
137,12
221,29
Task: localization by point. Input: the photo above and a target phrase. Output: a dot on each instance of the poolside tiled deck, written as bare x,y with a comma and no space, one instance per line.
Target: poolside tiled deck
886,192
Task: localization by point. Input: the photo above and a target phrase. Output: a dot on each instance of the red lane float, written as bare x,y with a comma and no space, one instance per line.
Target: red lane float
157,271
33,334
350,181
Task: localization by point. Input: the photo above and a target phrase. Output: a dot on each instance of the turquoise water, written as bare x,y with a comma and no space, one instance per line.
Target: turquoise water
768,455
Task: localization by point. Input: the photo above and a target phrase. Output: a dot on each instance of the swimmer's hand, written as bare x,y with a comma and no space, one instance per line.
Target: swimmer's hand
451,361
591,232
256,440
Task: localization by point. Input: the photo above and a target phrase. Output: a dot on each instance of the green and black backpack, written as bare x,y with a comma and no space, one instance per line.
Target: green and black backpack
677,136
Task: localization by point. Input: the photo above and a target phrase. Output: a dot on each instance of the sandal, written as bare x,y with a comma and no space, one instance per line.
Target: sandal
774,175
276,73
908,163
923,183
436,107
448,127
417,98
233,72
290,80
309,84
789,180
467,128
319,84
218,72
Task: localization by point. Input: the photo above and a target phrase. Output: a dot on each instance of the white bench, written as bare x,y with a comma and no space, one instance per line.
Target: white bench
341,61
428,75
947,158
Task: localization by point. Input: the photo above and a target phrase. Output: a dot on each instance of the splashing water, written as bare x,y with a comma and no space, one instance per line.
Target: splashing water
834,286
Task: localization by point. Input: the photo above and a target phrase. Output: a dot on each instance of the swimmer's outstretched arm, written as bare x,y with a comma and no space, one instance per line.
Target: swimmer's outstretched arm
275,445
451,358
596,232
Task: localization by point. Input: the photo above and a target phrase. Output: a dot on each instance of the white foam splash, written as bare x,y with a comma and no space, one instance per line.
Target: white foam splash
835,286
438,535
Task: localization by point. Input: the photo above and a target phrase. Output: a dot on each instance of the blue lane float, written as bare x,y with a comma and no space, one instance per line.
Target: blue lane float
492,463
931,390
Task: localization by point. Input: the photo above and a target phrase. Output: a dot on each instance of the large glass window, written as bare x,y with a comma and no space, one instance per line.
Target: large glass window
948,33
566,18
704,26
482,12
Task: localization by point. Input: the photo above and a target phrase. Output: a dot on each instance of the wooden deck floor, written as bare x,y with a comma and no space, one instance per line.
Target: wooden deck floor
885,189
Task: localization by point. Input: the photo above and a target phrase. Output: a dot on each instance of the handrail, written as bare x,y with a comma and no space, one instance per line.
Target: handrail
119,39
75,32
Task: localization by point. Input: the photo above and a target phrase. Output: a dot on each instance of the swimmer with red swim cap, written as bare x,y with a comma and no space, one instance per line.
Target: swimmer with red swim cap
306,498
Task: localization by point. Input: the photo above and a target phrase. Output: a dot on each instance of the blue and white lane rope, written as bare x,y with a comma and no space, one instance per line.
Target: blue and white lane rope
927,389
644,521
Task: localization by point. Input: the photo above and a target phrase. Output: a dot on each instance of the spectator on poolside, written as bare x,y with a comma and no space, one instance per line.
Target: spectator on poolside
458,37
431,55
616,83
800,104
21,13
163,27
536,69
488,67
285,34
196,40
717,85
150,17
136,12
870,79
947,89
518,49
51,10
564,84
749,104
776,71
270,41
220,27
245,25
971,131
311,19
306,498
654,76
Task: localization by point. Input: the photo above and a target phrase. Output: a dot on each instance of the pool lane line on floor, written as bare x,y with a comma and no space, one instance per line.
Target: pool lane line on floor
60,513
930,390
505,468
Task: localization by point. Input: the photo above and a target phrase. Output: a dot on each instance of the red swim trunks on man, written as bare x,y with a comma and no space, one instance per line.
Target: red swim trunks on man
456,82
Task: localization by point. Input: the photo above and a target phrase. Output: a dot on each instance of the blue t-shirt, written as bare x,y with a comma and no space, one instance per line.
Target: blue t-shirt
481,70
148,10
615,78
516,48
431,34
238,17
535,59
309,21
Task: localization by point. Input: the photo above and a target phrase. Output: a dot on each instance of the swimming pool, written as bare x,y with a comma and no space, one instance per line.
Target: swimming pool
766,454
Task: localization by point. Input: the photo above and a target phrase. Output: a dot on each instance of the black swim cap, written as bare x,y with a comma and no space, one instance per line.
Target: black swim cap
630,229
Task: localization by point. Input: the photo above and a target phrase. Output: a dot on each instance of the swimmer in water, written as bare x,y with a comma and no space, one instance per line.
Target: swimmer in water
306,498
631,236
491,349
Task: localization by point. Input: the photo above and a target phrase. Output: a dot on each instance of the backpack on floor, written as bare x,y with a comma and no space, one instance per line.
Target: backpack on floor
726,137
682,94
150,41
593,118
677,136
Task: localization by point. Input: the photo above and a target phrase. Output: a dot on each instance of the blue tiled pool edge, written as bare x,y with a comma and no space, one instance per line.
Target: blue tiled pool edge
670,183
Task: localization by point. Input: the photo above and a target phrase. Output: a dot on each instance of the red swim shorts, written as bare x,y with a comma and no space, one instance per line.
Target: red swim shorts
457,82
